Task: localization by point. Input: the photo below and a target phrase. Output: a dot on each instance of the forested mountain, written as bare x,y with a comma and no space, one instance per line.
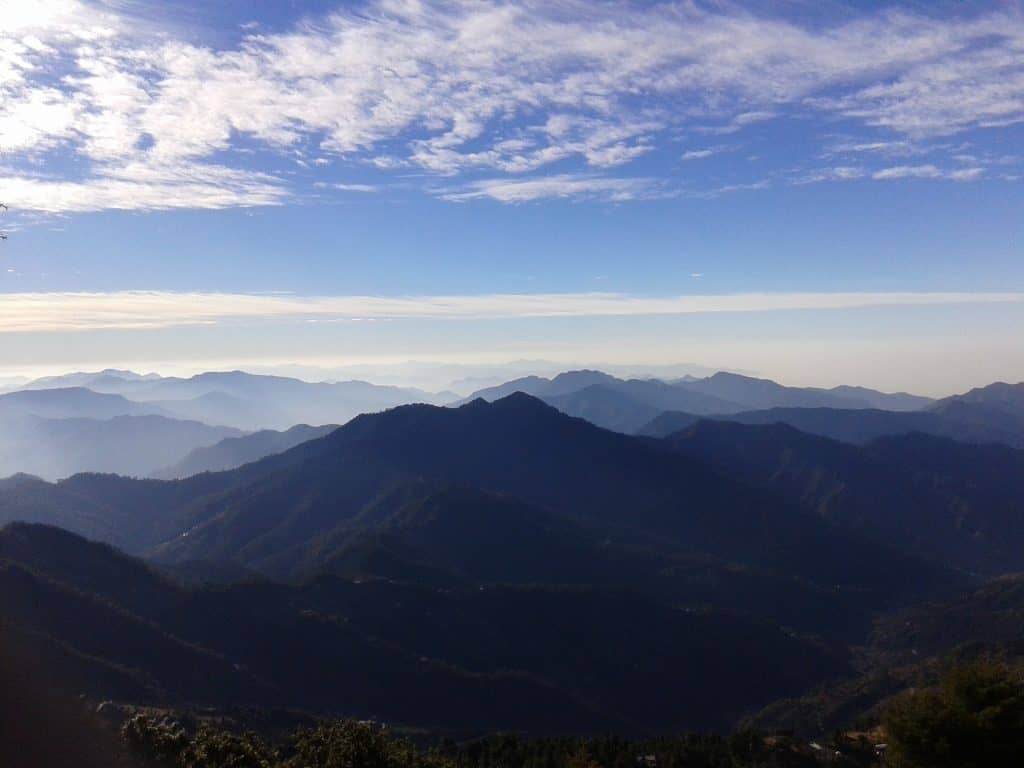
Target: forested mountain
959,421
499,657
910,649
470,550
320,504
630,487
950,502
233,452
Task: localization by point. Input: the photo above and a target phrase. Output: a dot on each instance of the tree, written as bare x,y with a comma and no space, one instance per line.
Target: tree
974,718
159,741
212,748
353,744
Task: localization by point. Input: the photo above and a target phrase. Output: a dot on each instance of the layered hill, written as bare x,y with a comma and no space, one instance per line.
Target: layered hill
958,421
126,444
242,400
514,566
659,521
629,487
629,405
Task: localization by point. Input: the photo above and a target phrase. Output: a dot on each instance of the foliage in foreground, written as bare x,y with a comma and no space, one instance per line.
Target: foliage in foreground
352,744
974,718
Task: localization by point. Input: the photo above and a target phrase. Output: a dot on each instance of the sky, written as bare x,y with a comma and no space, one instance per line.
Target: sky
818,192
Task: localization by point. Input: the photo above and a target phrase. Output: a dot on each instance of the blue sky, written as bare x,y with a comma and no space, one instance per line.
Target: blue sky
208,185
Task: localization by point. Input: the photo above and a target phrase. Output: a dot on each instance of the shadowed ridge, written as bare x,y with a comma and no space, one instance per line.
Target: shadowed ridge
943,500
89,566
20,480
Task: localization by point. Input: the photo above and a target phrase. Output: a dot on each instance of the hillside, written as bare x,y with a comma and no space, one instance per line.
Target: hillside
233,452
627,487
947,501
501,657
910,649
962,421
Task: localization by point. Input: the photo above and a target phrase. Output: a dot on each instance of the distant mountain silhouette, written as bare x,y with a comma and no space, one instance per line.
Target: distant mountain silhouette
628,406
606,407
106,380
245,400
957,420
73,402
128,445
950,502
749,393
618,402
1001,397
233,452
883,401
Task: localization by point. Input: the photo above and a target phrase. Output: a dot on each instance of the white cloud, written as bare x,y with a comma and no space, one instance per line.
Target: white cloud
700,154
48,312
928,171
966,174
836,173
347,187
143,187
512,87
908,172
725,189
560,186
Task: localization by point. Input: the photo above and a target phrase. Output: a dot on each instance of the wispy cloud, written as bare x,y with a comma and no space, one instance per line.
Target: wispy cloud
561,186
835,173
144,187
451,87
700,154
725,189
348,187
49,312
927,171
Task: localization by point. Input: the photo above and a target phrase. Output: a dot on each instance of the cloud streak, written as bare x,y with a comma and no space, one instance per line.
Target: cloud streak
563,186
64,312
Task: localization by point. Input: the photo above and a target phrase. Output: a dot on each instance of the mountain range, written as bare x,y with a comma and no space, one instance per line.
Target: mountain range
243,400
125,423
169,443
516,566
720,393
993,414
